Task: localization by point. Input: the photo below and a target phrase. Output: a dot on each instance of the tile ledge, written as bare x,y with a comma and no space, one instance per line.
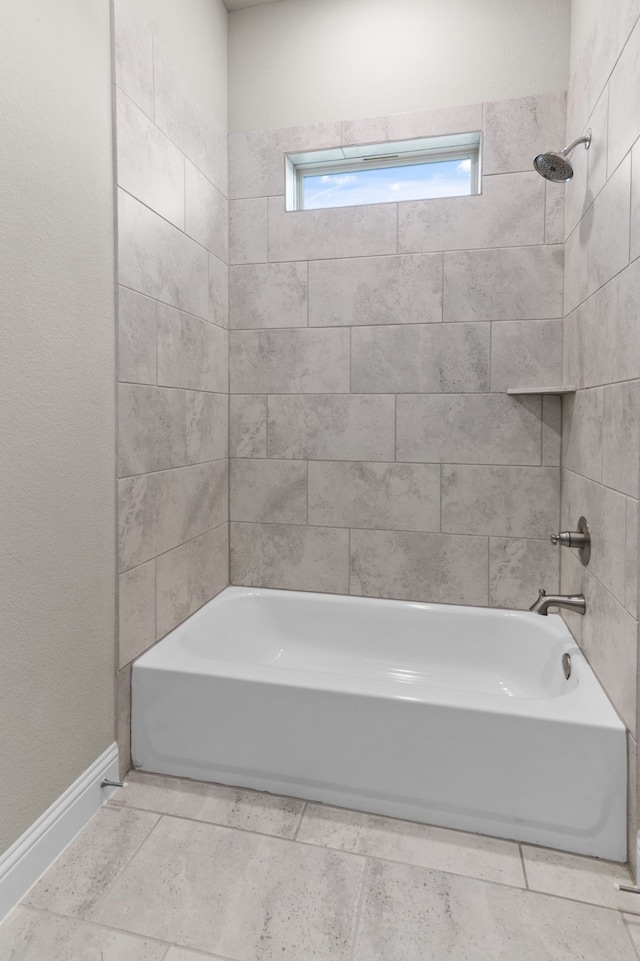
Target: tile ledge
567,389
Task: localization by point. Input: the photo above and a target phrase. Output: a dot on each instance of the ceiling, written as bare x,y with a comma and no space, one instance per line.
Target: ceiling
241,4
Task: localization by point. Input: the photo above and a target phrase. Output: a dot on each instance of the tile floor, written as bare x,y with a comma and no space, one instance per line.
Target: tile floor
175,870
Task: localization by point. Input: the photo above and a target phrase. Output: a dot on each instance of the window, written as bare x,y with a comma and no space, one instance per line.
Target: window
384,173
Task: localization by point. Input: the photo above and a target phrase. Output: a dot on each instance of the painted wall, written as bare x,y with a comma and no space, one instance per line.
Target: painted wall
172,308
57,404
304,61
374,448
601,424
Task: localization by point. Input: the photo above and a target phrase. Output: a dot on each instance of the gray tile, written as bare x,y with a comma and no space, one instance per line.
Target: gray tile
182,954
149,166
78,879
468,429
216,803
573,347
376,290
136,612
329,233
621,437
206,213
157,259
503,284
610,350
509,212
577,194
380,496
503,501
283,892
332,426
612,28
633,927
635,203
163,510
408,126
218,292
554,215
151,429
579,878
624,102
609,640
123,719
190,575
248,232
137,337
518,568
631,565
257,158
269,491
33,936
515,131
268,295
192,353
597,153
430,358
207,426
292,558
551,430
248,425
526,353
289,361
133,53
186,112
430,847
413,914
599,248
583,420
437,568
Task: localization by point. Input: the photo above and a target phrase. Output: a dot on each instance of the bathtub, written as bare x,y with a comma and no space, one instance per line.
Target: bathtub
453,716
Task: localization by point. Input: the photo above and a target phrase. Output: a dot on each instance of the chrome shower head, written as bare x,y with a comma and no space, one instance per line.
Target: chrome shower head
557,166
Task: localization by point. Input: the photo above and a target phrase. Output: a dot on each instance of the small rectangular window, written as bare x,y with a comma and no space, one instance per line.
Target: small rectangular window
384,173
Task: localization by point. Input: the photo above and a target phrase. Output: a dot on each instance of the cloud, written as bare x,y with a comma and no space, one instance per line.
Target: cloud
465,165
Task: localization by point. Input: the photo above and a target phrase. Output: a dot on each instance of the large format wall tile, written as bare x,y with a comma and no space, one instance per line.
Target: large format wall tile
514,283
583,418
133,48
621,437
509,212
610,350
137,611
518,568
248,232
268,491
435,358
515,131
207,426
218,292
206,212
526,353
157,259
137,352
504,501
635,202
190,575
376,290
407,126
248,425
440,568
334,232
368,495
624,102
151,429
293,558
468,429
160,511
631,565
149,166
191,352
289,361
268,295
332,427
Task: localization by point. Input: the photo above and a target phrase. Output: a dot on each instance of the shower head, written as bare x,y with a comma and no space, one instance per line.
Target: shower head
556,166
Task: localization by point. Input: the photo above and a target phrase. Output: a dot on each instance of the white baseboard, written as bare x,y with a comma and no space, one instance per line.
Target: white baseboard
40,845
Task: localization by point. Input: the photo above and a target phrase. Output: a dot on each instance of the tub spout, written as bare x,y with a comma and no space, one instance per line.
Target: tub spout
570,602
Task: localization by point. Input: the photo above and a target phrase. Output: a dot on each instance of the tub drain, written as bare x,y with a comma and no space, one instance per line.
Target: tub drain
566,665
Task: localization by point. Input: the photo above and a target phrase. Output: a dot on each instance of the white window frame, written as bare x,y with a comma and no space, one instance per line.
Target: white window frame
402,153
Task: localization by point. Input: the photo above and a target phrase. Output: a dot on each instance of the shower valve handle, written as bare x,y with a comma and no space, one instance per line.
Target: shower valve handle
579,539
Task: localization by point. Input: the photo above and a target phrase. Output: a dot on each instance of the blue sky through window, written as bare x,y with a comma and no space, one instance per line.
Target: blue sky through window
444,178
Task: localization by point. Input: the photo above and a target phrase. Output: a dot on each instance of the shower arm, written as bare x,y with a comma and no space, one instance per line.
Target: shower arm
585,139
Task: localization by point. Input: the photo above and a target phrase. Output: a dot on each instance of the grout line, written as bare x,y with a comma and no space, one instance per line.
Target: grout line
524,870
635,949
299,824
356,927
129,860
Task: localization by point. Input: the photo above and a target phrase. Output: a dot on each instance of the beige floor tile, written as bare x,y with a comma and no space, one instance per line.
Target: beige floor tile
35,936
413,914
244,896
232,807
76,880
584,879
182,954
419,844
633,926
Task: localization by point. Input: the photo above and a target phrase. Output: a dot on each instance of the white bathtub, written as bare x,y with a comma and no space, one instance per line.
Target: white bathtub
455,716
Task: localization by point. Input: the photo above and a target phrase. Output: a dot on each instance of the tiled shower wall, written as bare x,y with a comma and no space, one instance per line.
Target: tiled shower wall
601,426
173,351
374,448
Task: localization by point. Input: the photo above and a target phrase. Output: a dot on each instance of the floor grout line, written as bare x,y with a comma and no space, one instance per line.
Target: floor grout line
524,870
356,927
297,830
633,943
